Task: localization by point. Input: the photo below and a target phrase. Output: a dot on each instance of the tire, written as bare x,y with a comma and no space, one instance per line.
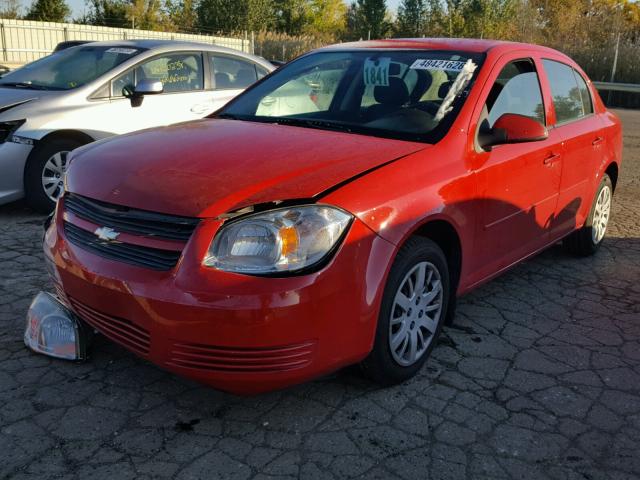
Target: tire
587,239
386,364
35,194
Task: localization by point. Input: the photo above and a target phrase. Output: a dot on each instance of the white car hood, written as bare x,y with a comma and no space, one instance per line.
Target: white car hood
11,97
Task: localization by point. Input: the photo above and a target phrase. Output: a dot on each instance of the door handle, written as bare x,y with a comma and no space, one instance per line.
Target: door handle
597,141
551,159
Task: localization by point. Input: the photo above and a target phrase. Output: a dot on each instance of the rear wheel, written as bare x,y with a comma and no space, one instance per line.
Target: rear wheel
413,309
44,173
586,240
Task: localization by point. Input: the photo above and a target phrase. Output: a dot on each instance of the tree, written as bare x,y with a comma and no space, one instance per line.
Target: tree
48,11
326,17
219,15
291,15
108,13
145,14
9,8
367,19
259,15
411,18
180,15
235,15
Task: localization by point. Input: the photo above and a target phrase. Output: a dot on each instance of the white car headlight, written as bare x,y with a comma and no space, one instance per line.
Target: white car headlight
282,240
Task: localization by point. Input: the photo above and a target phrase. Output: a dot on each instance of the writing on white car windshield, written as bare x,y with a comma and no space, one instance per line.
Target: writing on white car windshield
70,68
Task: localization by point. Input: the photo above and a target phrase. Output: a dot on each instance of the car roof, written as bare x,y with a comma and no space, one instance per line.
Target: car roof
163,45
460,44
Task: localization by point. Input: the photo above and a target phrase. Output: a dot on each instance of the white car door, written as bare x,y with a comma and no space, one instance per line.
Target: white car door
184,96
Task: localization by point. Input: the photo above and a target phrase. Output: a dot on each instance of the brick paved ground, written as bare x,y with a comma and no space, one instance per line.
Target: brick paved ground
538,378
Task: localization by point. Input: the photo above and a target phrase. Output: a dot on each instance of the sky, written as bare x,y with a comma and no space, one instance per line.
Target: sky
78,6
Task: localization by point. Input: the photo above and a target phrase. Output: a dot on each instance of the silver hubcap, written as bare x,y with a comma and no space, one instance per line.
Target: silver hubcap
415,313
601,215
53,175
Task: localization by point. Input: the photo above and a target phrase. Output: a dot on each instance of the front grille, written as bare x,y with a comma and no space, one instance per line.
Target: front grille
120,330
131,220
147,257
249,360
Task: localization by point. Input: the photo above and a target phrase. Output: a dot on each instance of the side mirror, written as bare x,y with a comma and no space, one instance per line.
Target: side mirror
145,87
511,128
149,87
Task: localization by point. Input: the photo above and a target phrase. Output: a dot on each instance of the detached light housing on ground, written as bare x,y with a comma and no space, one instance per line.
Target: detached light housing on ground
53,330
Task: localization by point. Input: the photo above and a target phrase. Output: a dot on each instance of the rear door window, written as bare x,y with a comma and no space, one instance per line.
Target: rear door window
232,72
571,97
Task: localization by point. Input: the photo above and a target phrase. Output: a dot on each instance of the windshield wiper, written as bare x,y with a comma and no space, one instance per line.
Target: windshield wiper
310,123
296,122
228,116
28,85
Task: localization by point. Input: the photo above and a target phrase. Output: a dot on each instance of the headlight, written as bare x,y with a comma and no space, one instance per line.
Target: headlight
8,128
283,240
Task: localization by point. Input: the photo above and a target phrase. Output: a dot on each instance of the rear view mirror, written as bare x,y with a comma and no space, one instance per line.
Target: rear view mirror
511,128
144,87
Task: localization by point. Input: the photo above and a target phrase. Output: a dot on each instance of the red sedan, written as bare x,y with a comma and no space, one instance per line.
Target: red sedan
332,213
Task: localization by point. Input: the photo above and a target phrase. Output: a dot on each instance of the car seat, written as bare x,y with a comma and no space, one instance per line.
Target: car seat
390,98
245,77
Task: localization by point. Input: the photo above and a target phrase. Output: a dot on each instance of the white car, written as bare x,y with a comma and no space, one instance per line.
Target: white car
93,91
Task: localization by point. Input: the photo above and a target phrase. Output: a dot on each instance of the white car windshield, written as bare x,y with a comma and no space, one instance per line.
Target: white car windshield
70,68
412,94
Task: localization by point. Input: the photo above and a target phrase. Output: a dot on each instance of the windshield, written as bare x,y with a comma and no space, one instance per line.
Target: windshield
413,95
69,68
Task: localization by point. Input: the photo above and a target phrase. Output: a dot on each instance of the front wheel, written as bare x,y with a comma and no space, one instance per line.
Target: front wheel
413,309
586,240
44,173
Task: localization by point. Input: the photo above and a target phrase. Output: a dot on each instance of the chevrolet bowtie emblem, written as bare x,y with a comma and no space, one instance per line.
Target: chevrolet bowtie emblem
107,234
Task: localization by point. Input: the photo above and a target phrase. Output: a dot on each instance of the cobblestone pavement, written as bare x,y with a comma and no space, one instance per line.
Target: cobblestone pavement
538,378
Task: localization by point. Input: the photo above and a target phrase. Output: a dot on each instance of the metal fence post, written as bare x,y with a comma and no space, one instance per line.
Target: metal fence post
66,34
253,42
3,35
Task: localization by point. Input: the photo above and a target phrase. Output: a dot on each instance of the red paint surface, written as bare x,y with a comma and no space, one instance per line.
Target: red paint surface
257,334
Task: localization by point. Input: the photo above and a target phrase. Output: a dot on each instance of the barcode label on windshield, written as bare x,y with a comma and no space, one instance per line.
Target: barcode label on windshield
124,51
432,64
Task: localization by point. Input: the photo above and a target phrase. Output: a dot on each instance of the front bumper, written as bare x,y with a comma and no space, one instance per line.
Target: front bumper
13,158
238,333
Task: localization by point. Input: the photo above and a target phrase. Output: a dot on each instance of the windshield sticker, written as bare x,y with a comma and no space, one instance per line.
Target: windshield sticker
376,72
433,64
458,86
124,51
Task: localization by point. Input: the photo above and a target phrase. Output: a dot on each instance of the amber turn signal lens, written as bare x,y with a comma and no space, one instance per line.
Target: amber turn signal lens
289,239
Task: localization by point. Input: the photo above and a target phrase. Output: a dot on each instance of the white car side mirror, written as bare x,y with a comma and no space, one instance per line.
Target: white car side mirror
143,88
149,87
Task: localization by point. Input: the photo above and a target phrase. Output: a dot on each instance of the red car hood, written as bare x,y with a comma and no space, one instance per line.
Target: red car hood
210,167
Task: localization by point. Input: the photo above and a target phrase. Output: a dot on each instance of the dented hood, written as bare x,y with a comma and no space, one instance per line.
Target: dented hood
210,167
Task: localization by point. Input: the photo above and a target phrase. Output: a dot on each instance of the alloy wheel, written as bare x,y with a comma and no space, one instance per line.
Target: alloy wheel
415,314
601,215
53,175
